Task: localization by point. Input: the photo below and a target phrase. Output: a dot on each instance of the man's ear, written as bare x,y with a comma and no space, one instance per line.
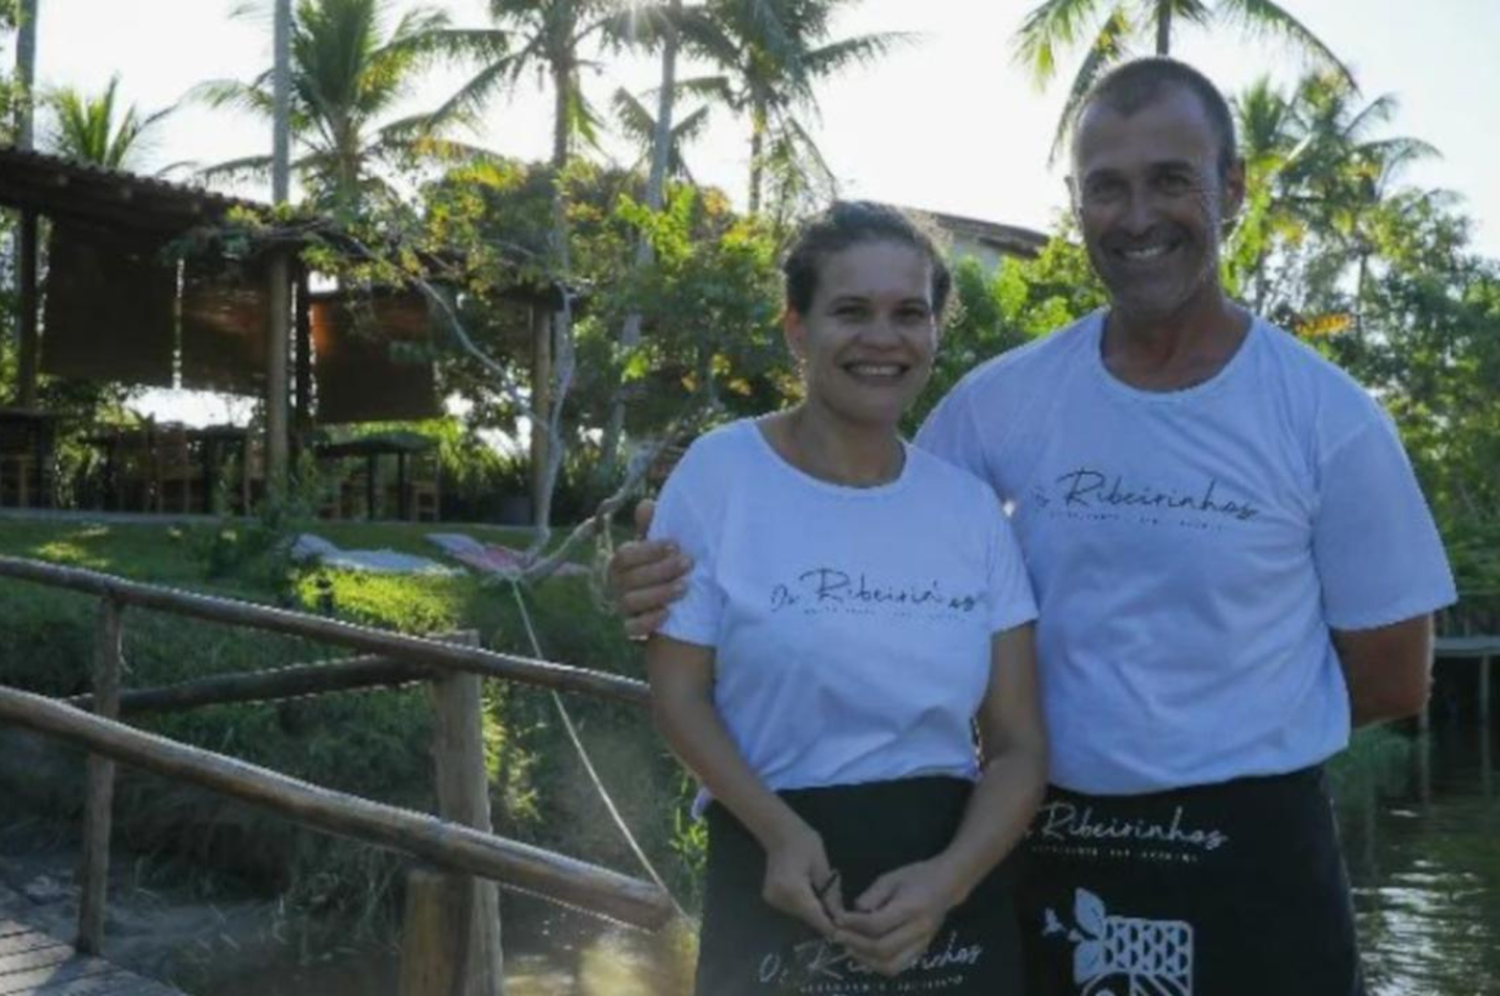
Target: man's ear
1074,205
1234,190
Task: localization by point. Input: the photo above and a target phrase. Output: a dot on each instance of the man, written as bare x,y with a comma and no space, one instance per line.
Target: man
1233,565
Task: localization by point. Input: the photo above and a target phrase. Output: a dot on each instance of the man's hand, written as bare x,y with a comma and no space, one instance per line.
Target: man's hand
645,577
894,921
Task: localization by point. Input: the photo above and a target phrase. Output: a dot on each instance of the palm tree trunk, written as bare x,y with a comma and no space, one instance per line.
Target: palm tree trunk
26,240
661,143
757,152
656,197
1163,28
26,73
562,101
281,84
278,448
548,381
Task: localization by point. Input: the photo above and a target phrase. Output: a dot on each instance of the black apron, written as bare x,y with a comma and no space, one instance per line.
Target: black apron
747,948
1235,889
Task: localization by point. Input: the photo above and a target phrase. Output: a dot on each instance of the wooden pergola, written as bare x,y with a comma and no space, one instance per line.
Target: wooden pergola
35,185
70,193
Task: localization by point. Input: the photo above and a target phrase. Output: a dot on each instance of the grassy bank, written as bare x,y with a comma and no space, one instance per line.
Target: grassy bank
373,743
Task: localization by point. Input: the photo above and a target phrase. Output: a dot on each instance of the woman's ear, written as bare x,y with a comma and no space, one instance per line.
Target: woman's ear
794,330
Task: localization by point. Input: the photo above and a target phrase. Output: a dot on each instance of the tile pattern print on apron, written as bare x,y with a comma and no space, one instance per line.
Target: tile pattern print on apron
1154,956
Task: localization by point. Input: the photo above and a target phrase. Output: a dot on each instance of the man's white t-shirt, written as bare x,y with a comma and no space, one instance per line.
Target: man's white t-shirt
851,627
1191,550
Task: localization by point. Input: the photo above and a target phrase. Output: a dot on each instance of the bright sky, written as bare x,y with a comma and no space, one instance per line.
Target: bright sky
947,123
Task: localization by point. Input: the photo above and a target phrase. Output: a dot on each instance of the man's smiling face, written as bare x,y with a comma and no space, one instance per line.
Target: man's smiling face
1151,199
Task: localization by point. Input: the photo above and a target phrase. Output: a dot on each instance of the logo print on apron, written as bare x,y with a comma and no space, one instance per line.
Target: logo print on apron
1153,957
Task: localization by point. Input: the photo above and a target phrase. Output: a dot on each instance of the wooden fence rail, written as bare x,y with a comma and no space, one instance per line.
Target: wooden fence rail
452,946
486,663
446,845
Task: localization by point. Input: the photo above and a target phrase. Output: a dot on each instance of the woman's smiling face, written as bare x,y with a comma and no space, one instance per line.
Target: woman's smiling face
867,341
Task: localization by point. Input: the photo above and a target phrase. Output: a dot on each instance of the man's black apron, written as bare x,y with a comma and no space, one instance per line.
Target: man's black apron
1236,889
746,947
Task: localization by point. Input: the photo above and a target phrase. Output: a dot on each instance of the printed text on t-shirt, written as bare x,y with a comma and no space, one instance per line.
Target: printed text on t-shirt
828,589
1087,489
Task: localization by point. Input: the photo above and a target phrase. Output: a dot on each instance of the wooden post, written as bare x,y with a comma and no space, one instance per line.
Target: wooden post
303,419
94,870
453,921
1484,691
276,375
26,354
541,402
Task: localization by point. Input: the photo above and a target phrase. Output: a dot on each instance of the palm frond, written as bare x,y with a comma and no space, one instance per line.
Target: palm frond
861,51
1267,16
1110,46
1051,27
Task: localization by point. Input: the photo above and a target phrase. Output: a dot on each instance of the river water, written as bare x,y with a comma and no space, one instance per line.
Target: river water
1423,847
1421,825
1420,820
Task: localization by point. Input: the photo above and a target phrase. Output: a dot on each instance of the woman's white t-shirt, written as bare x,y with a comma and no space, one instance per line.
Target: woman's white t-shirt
851,626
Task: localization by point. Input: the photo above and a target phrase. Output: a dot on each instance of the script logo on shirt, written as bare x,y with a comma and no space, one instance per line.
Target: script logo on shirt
828,589
1089,493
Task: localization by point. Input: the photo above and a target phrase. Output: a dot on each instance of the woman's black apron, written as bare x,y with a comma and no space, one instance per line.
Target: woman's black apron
746,947
1235,889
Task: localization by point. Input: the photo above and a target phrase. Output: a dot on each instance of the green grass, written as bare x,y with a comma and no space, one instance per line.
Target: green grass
373,743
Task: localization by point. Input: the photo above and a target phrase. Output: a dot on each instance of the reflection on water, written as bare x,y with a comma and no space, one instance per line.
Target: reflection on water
1421,828
1423,844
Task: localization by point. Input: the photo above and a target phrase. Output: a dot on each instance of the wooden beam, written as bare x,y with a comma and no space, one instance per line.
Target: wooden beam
455,848
100,793
417,650
297,681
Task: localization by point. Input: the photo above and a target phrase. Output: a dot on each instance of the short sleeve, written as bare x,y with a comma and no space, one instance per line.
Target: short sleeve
693,618
1378,554
950,434
1011,600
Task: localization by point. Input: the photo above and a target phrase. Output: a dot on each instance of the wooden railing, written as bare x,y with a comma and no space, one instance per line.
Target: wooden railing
456,936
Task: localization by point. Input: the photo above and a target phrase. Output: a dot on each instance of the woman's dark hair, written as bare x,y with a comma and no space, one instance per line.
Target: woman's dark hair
849,223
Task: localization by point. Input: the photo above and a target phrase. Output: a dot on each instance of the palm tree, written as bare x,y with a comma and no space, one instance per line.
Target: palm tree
1112,26
347,76
87,128
1321,181
547,37
662,157
26,71
771,54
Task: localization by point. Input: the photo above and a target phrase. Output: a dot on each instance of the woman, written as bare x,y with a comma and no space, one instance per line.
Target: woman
856,609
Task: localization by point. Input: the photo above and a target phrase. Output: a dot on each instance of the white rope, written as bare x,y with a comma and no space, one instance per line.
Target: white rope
588,764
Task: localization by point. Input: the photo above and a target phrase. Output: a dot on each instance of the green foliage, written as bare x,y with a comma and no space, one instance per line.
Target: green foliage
1376,760
88,128
1109,33
373,743
351,67
1022,300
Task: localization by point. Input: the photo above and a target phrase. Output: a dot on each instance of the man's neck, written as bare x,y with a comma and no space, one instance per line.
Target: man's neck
1175,351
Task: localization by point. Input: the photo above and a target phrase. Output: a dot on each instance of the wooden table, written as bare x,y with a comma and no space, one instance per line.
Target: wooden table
33,433
401,445
214,443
